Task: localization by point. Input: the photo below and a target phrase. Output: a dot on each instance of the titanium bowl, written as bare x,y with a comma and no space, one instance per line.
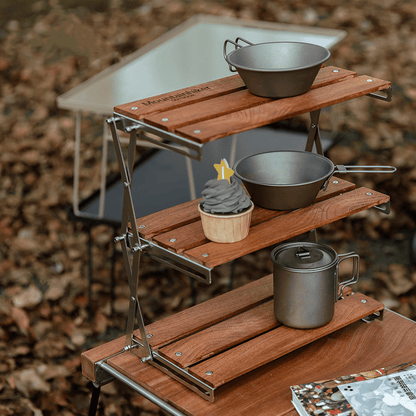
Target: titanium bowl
276,69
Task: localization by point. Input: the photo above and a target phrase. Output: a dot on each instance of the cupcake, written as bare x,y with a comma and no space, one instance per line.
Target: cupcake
225,208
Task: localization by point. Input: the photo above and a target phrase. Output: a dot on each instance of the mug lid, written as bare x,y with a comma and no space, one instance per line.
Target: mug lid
295,256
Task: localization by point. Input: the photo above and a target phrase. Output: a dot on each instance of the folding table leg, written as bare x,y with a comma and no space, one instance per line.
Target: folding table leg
94,399
90,314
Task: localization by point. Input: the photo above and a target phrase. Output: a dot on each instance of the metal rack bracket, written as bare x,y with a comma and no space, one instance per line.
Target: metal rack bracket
129,221
133,246
384,208
386,95
163,138
376,315
178,262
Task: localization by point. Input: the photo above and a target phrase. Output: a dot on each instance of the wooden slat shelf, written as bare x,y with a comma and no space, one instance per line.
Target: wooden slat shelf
186,213
224,107
282,340
179,229
191,235
235,333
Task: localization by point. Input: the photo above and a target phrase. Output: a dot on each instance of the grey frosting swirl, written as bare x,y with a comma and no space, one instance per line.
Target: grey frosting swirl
222,197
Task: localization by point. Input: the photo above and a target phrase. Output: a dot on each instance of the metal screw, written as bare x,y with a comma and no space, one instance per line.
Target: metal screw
135,108
197,131
172,240
369,193
363,301
369,80
205,255
178,354
132,298
142,226
135,248
335,70
335,182
313,126
126,184
208,373
149,335
165,119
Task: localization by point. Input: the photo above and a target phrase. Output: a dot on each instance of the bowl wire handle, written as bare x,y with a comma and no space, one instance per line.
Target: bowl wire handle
237,45
224,52
243,40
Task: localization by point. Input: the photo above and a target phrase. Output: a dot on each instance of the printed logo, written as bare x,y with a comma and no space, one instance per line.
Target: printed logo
176,97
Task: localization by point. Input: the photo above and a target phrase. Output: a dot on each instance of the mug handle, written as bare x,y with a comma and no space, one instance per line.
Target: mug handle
355,270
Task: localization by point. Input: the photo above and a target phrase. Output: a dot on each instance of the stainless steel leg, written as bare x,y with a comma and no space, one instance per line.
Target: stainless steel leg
130,241
89,273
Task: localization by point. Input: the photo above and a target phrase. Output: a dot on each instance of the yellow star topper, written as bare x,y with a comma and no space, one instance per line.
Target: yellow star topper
224,170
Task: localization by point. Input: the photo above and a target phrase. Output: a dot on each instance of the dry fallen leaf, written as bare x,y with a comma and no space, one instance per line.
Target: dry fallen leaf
46,319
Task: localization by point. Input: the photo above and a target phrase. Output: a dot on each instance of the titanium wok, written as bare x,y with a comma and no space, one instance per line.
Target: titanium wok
291,179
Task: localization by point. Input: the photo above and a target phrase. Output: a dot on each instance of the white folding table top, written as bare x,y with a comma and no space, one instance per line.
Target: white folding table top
190,54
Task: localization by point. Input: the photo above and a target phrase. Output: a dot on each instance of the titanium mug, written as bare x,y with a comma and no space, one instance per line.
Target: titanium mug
305,283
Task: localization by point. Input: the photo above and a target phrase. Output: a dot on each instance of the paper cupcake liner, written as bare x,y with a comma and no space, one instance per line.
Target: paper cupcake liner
226,228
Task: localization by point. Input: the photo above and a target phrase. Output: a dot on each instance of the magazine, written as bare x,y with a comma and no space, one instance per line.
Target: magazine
382,392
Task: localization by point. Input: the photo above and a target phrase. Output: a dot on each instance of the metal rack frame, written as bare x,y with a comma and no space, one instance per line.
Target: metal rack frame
131,240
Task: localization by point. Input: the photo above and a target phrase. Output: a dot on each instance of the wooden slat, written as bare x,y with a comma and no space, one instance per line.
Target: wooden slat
288,226
183,238
282,109
173,119
168,219
90,357
280,341
330,75
209,312
198,112
191,235
222,336
179,98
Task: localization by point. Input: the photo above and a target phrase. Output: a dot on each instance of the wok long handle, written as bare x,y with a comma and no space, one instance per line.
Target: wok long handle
364,169
358,169
237,45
